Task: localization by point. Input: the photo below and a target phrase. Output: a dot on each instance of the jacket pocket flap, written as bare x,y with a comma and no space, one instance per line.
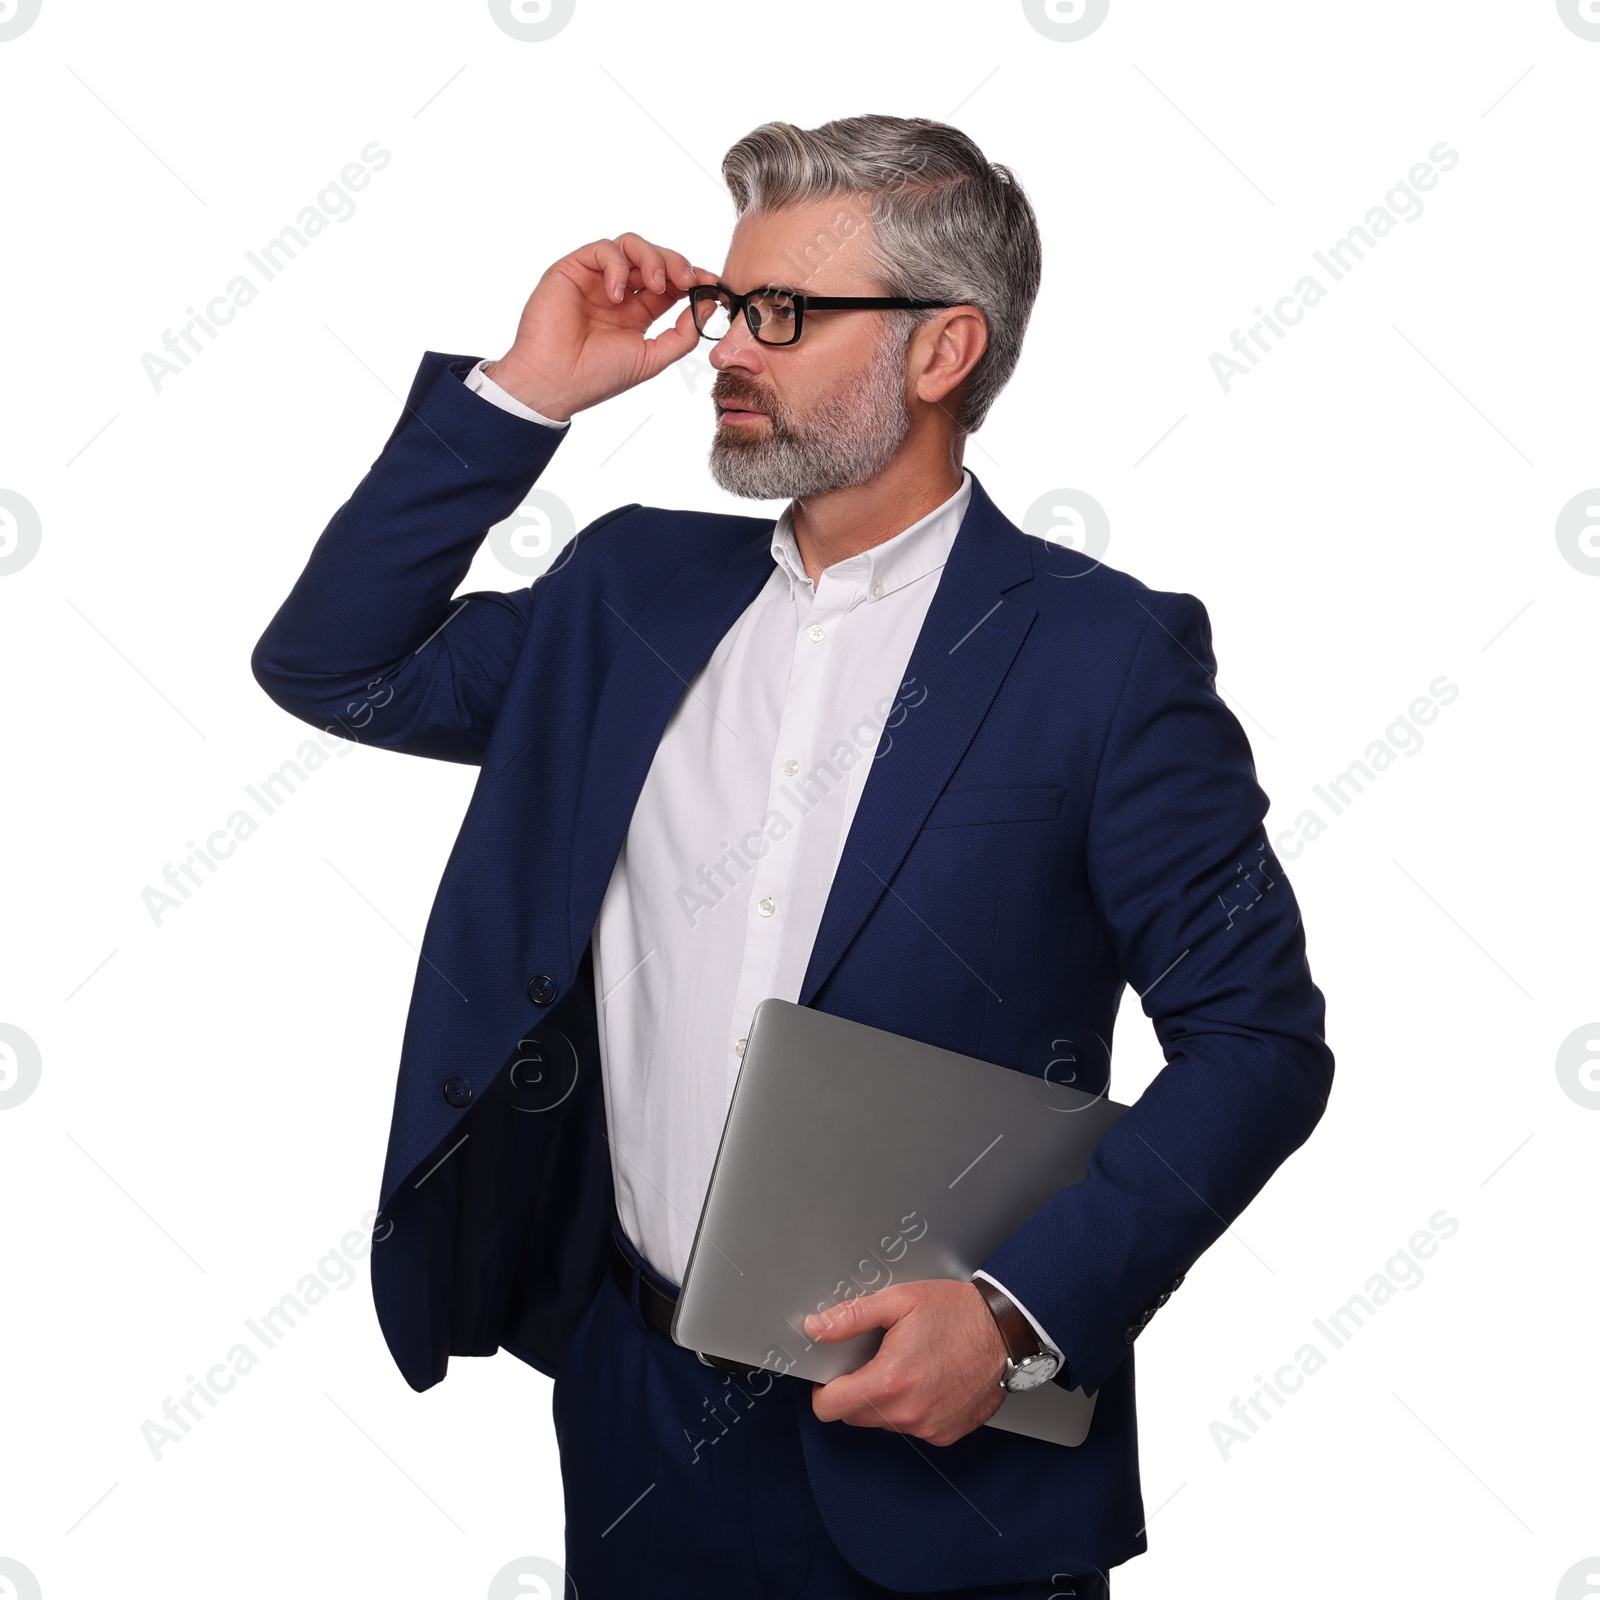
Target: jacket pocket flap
1005,803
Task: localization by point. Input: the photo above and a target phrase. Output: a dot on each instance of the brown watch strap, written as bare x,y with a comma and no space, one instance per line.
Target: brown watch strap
1021,1341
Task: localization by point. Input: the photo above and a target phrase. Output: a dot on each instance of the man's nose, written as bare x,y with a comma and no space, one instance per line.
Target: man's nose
738,349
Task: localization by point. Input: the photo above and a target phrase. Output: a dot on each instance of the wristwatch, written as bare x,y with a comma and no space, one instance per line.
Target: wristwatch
1028,1363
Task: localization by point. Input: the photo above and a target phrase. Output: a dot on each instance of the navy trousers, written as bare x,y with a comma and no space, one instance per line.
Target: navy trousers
680,1480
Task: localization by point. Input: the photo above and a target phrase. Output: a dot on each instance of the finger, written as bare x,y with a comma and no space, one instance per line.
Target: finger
660,287
692,274
648,258
679,270
656,294
682,272
831,1323
605,259
851,1317
642,288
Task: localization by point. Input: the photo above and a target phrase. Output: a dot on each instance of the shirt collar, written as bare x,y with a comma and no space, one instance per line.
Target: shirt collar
910,554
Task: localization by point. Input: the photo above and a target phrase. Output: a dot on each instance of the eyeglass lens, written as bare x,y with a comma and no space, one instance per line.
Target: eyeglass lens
772,312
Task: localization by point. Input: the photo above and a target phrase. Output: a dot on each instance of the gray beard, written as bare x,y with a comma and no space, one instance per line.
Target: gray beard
849,439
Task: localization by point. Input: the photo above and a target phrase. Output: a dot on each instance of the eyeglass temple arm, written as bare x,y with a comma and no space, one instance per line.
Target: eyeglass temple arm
828,302
854,302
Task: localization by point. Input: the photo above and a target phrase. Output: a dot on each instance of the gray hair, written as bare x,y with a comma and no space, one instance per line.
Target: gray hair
947,224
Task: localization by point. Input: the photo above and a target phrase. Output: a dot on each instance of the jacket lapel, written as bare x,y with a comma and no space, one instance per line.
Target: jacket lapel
662,649
973,629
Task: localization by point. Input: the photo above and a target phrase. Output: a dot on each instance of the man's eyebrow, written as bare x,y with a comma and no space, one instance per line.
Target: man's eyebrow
774,283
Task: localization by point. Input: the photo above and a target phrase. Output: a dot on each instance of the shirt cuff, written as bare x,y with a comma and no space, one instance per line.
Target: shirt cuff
1044,1338
480,382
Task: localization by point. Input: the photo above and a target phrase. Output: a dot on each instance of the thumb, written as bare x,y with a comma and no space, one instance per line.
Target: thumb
671,345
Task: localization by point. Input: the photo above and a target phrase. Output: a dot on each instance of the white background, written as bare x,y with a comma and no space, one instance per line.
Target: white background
1373,506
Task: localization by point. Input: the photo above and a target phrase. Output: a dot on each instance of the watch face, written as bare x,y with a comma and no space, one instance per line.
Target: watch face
1031,1373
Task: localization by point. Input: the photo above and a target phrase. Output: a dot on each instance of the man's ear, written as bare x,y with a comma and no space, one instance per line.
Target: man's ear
945,349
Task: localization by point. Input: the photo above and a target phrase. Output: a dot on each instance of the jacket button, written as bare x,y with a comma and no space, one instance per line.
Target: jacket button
1131,1334
457,1091
542,989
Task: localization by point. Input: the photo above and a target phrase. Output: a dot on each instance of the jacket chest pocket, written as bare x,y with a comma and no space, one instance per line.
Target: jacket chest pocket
959,808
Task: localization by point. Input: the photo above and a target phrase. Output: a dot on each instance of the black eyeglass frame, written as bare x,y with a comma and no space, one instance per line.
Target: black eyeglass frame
741,303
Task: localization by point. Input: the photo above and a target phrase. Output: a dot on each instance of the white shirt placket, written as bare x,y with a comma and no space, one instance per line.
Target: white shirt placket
818,618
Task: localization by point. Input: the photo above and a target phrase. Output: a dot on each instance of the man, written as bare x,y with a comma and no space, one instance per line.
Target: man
887,756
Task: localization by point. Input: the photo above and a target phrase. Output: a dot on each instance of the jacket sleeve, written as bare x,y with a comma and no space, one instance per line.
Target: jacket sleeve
370,643
1206,929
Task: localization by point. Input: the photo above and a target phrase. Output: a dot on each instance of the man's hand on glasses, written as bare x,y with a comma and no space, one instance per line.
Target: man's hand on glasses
582,334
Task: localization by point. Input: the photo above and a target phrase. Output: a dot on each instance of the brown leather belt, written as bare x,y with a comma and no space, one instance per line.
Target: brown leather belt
656,1306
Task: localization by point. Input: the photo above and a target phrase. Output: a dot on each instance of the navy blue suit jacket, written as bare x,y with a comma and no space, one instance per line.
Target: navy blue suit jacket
1062,806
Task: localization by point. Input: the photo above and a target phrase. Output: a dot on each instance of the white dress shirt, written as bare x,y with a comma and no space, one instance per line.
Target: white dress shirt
718,891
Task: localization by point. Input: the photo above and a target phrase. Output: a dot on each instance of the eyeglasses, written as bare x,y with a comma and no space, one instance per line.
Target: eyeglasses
775,316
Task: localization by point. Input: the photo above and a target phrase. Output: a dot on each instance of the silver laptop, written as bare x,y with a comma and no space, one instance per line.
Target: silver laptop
854,1158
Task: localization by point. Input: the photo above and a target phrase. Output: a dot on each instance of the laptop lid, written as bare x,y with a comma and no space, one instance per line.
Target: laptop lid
853,1158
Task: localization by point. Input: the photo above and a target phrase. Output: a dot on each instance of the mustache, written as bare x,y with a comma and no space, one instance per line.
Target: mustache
732,392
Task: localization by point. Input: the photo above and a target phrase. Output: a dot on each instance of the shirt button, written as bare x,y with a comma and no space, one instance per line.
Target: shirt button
816,632
791,766
877,589
767,906
738,1049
